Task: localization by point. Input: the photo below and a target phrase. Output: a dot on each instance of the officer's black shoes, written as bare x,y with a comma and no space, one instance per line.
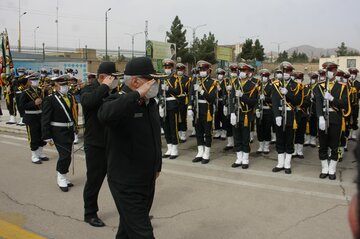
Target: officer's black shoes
95,221
205,161
44,159
300,156
227,148
166,156
37,162
173,156
288,170
64,189
332,176
323,175
276,169
182,141
197,159
10,122
236,165
70,185
313,145
259,152
266,152
245,166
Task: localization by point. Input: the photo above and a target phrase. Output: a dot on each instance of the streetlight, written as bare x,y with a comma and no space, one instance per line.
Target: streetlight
19,41
35,38
194,31
132,40
106,54
278,45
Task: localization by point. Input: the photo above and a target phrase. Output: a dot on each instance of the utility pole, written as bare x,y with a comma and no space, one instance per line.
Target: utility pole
57,26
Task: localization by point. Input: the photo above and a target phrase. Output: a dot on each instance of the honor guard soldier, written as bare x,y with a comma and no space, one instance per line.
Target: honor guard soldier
90,78
55,72
9,94
311,127
256,81
183,100
195,75
345,76
31,101
243,102
58,127
331,99
264,116
202,97
170,89
220,119
69,71
355,91
20,85
228,87
301,116
277,76
286,96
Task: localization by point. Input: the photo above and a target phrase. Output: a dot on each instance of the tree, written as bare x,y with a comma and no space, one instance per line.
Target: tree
258,51
177,36
247,50
283,57
342,50
353,53
204,49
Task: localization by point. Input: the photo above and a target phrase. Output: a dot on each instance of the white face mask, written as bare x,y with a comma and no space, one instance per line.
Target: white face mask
34,83
203,73
312,81
43,75
21,73
330,74
286,76
322,78
233,74
279,76
153,91
344,80
265,79
167,71
352,76
338,78
64,89
180,73
114,84
242,75
220,77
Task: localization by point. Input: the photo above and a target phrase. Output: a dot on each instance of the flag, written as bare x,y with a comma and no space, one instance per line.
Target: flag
9,62
2,61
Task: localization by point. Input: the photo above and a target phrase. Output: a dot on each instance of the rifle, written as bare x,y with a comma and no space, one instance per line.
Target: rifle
326,103
283,101
261,102
238,105
197,101
163,101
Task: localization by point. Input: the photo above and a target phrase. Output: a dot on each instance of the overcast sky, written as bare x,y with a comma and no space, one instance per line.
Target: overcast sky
290,22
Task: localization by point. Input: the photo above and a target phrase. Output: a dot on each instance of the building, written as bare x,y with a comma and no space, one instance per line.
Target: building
344,62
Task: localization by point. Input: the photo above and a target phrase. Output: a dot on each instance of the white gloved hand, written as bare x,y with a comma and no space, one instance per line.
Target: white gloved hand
228,87
164,87
283,91
262,97
322,123
219,87
225,111
278,121
49,141
190,114
258,113
239,93
328,96
161,112
233,119
201,91
196,87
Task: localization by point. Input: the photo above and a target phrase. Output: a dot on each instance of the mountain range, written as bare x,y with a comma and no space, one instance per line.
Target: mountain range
314,52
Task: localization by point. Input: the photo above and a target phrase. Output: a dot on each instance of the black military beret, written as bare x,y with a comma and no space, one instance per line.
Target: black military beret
139,66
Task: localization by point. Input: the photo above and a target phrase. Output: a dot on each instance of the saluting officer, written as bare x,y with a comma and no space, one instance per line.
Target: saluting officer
355,91
169,108
286,96
183,100
264,116
220,119
311,127
31,101
301,116
58,127
243,102
331,99
202,97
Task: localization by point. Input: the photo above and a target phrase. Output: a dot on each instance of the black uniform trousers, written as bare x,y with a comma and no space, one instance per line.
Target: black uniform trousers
228,127
263,128
33,129
96,165
354,116
133,203
285,139
182,124
17,99
64,147
345,134
301,129
242,138
313,125
220,119
170,126
10,103
203,129
330,140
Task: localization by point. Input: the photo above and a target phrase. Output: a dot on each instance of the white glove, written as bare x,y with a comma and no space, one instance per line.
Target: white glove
239,93
258,113
233,119
283,91
190,114
196,87
161,112
228,87
278,121
322,123
164,87
262,97
225,111
328,96
219,88
201,91
49,141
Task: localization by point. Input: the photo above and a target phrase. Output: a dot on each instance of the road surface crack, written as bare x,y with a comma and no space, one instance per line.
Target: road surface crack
180,213
342,187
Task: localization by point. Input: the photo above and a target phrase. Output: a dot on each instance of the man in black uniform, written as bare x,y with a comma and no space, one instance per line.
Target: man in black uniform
220,119
286,96
92,97
331,99
31,101
243,102
169,108
202,97
264,116
133,147
311,127
9,94
355,91
58,127
20,84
